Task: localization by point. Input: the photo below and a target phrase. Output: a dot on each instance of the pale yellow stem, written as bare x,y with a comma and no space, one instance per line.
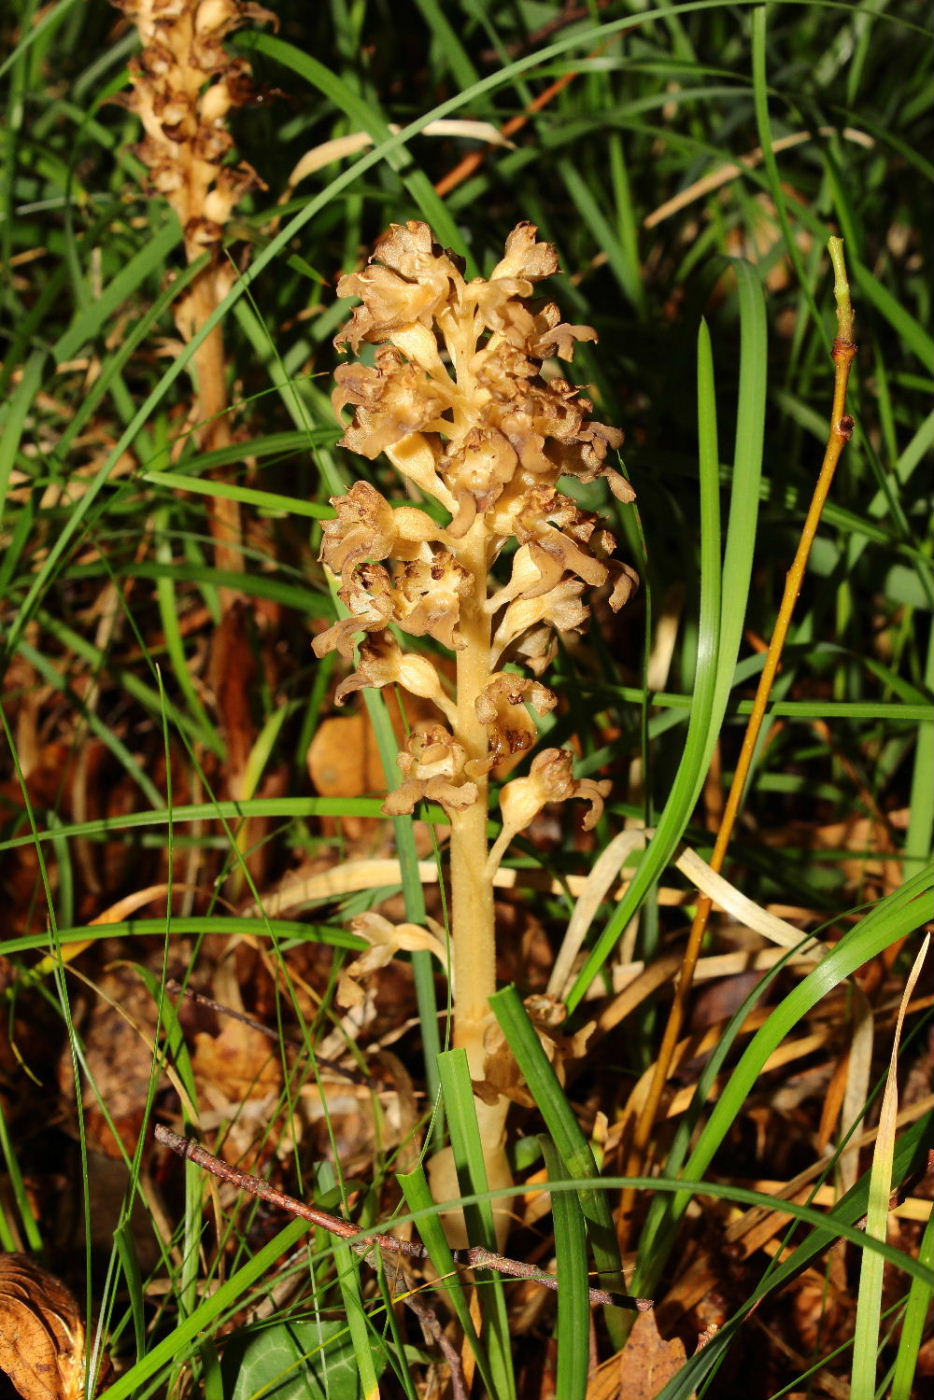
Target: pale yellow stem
471,891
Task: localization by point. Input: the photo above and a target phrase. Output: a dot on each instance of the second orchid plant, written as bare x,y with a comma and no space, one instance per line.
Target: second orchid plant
457,401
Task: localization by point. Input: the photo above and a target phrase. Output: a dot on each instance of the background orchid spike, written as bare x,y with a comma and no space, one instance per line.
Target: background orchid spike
184,85
457,401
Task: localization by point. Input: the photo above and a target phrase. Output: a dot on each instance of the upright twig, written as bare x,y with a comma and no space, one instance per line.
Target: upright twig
841,430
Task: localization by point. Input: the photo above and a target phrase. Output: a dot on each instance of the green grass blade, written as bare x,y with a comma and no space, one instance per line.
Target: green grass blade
420,1202
573,1330
869,1297
14,420
701,734
562,1124
208,1313
148,262
364,1342
917,1309
282,930
891,919
468,1153
246,495
283,808
423,967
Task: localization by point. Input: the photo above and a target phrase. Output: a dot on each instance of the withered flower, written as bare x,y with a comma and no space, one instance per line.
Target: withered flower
435,769
457,401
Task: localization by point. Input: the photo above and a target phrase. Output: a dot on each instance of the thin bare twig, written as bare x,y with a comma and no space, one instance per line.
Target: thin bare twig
354,1075
368,1244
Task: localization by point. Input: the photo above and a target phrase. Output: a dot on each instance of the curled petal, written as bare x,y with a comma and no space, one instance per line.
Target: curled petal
408,278
383,662
556,337
367,527
525,256
368,597
476,470
393,399
625,583
363,529
428,595
385,940
560,609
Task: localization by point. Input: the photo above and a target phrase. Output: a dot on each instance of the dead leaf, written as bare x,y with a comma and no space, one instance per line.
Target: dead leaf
118,1029
41,1332
643,1369
239,1064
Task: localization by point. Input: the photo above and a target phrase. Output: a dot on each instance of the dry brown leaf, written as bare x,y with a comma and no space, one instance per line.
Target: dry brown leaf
642,1369
119,1030
238,1064
41,1332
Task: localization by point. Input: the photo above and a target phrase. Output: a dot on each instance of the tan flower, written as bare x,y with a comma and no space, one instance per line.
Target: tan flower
434,770
393,399
367,528
427,597
550,779
368,596
383,662
385,941
502,708
184,86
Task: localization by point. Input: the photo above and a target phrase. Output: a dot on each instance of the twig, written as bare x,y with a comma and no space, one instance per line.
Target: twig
354,1075
366,1244
569,15
465,168
841,430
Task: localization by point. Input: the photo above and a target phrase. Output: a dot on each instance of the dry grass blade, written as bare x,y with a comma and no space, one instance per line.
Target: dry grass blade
869,1304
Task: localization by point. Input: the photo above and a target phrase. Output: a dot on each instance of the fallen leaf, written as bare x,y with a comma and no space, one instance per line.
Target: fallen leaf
643,1369
41,1332
238,1064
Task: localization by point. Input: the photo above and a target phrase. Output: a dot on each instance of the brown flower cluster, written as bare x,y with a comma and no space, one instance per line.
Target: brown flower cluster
184,86
457,400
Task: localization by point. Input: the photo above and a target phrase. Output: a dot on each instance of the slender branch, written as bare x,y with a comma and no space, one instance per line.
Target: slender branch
841,430
368,1244
332,1066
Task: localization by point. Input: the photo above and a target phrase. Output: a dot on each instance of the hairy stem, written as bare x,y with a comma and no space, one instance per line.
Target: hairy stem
471,892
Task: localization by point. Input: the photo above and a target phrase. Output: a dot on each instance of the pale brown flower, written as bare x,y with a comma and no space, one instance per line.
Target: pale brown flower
502,708
550,779
383,662
434,770
184,86
367,528
367,595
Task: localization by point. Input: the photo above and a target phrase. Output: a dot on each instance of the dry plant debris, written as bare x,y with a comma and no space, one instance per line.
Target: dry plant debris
41,1332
